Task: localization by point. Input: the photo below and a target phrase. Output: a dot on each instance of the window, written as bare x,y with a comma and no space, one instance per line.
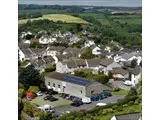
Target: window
81,91
59,86
92,91
48,83
54,85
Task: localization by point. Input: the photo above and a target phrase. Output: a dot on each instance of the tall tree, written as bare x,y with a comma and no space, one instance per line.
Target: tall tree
134,63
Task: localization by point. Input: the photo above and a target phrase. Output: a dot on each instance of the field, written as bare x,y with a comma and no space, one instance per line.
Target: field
135,108
57,17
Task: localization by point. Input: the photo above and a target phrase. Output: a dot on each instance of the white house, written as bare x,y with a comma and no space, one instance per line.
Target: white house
66,66
46,40
107,65
96,50
54,50
24,54
89,43
136,75
74,39
120,73
27,42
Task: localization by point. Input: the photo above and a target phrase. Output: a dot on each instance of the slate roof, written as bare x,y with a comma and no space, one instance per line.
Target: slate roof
93,62
136,70
69,63
131,116
105,62
70,79
119,71
80,62
56,48
48,59
37,50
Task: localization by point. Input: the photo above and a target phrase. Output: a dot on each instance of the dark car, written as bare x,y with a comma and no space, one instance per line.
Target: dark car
65,95
71,97
51,99
51,92
77,103
47,97
109,94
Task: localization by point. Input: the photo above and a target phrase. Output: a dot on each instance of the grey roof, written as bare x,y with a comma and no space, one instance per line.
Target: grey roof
56,48
23,45
69,63
70,79
119,71
61,57
105,62
129,55
80,62
40,62
48,59
93,46
93,62
38,50
136,70
130,116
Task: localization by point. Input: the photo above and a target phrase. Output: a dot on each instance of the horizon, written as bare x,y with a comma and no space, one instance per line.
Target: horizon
100,3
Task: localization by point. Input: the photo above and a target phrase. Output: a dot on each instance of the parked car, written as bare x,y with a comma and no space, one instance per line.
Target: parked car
50,98
39,93
65,95
47,108
86,100
77,103
51,92
71,97
101,104
128,83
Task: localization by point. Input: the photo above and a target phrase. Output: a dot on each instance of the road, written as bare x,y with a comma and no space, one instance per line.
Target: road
108,100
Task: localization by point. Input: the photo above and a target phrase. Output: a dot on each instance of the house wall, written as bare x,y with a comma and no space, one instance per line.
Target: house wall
94,51
21,55
135,79
113,118
70,88
96,87
121,76
63,68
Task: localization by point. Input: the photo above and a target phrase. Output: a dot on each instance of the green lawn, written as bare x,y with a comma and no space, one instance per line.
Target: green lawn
57,17
121,92
61,102
104,21
135,108
130,21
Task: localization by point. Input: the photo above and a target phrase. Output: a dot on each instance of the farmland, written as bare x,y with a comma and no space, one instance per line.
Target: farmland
57,17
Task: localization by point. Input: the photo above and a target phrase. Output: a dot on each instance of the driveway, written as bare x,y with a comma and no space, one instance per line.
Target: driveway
108,100
120,85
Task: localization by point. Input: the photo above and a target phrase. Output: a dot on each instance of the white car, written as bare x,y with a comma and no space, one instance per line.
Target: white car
46,108
128,83
86,100
39,93
101,104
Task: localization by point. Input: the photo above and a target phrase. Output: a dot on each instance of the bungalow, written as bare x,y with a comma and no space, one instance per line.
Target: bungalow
107,65
120,73
136,75
128,116
55,50
89,43
95,50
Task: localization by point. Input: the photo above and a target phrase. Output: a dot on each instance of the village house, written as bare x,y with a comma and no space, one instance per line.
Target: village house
96,50
93,63
119,73
47,40
72,85
74,39
128,116
89,43
136,75
54,50
76,52
107,65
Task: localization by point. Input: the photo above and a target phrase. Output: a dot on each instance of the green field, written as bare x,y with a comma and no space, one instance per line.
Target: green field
57,17
121,92
135,108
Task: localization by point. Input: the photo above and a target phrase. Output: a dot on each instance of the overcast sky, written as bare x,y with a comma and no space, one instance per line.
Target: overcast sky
132,3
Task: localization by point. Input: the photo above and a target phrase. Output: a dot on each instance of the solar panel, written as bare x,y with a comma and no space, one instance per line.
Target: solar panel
75,80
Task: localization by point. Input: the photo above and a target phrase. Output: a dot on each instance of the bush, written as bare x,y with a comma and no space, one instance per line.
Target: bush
114,107
125,105
116,89
131,103
21,92
33,89
119,109
132,91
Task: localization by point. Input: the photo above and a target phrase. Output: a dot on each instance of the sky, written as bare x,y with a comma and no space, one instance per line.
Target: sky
126,3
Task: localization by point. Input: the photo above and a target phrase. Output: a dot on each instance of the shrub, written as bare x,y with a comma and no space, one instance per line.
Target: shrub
125,105
114,107
33,89
21,92
116,89
130,103
119,109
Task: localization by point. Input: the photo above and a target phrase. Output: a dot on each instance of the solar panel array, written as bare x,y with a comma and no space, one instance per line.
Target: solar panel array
75,80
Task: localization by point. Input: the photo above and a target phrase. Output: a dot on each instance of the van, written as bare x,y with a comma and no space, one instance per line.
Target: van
86,100
47,108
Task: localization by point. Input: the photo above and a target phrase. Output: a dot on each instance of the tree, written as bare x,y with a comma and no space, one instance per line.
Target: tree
87,54
29,76
132,92
20,107
134,63
110,75
79,27
33,89
46,116
21,92
101,78
79,73
51,68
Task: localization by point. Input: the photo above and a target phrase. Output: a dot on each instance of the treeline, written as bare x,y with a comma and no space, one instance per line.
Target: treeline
29,16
